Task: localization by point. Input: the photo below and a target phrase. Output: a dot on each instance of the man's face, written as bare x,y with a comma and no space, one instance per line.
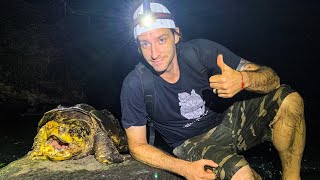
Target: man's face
158,47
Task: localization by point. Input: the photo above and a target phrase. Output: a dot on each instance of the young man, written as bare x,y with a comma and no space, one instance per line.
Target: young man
248,106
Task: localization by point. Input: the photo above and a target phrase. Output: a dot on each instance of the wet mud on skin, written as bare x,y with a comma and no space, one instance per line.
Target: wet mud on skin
17,133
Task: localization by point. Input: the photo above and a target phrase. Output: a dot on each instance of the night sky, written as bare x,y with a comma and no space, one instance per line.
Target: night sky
283,35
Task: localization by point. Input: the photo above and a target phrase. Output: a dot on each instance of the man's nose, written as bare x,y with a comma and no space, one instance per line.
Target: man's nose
154,51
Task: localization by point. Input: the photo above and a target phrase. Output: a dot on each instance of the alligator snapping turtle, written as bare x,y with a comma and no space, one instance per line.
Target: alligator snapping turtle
77,131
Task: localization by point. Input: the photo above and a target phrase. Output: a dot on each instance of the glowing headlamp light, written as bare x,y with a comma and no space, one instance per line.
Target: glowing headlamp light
147,20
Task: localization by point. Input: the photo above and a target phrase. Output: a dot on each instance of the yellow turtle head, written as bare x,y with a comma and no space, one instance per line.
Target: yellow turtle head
66,139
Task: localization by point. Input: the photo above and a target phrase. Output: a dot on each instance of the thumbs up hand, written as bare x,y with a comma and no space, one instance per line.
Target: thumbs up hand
228,83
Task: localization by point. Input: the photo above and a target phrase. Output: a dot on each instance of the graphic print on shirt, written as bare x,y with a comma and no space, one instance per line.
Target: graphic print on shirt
192,106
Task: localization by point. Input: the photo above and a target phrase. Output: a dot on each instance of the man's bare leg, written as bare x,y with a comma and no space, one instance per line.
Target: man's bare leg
246,173
289,134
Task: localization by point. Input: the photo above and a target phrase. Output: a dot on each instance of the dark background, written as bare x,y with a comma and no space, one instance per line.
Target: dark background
71,51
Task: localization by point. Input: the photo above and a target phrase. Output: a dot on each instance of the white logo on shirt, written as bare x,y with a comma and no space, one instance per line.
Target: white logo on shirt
192,106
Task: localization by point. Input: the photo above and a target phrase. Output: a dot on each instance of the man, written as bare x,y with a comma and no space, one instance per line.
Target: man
207,137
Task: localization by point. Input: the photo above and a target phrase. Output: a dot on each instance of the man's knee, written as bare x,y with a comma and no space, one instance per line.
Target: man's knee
292,107
289,119
293,101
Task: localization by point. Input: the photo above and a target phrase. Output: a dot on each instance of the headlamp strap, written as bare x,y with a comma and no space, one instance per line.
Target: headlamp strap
146,6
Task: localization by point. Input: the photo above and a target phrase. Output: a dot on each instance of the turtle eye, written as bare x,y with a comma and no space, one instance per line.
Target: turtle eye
62,129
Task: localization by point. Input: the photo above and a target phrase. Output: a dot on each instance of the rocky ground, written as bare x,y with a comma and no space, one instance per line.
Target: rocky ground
83,169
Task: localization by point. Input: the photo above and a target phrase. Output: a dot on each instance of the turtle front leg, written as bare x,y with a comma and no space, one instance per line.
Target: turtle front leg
105,150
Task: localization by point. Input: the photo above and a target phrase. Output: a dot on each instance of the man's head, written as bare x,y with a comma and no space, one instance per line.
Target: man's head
156,40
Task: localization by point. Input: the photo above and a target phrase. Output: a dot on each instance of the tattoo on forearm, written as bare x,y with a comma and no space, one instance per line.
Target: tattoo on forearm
262,79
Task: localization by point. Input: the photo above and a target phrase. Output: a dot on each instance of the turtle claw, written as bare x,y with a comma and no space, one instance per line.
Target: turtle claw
103,159
115,158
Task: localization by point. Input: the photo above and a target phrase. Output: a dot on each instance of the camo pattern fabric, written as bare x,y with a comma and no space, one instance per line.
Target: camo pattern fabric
246,124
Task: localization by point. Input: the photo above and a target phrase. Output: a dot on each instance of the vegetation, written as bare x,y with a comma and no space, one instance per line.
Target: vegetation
2,165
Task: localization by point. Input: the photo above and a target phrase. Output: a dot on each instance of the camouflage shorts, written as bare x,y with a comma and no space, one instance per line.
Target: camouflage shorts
246,124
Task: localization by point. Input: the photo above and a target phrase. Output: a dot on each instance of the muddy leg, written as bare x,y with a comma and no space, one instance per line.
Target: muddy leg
289,134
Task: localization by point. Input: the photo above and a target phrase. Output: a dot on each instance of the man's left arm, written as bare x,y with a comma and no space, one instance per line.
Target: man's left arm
247,75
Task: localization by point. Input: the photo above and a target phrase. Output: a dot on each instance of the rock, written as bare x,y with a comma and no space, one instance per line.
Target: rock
87,168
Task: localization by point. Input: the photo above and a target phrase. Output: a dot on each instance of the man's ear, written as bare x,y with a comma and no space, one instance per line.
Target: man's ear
139,50
177,36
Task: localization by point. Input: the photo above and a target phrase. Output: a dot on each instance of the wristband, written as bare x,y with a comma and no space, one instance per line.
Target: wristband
242,83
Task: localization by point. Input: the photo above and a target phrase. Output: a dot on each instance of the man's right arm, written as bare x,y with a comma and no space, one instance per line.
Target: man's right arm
142,151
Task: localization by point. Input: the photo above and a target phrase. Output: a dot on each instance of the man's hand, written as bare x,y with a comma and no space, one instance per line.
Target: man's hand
228,83
196,170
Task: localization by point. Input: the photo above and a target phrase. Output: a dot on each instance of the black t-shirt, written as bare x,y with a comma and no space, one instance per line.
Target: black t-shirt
183,109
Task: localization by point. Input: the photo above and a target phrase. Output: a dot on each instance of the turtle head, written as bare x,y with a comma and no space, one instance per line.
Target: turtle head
66,139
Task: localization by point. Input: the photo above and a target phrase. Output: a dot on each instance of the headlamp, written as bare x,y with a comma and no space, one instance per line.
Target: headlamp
147,20
148,17
151,16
